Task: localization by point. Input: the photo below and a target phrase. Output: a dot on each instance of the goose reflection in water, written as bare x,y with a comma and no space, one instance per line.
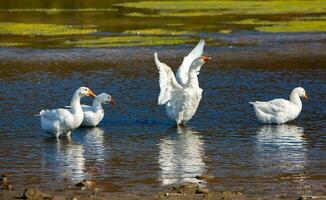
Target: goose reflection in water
181,157
93,142
281,148
78,158
66,157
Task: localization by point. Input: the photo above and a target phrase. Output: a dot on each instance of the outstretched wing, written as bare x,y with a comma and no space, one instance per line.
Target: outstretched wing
182,73
168,83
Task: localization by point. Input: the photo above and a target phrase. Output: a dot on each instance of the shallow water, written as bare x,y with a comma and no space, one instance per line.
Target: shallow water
137,147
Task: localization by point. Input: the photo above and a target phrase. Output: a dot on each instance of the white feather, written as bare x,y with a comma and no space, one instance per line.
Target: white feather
62,121
182,73
181,98
279,111
168,83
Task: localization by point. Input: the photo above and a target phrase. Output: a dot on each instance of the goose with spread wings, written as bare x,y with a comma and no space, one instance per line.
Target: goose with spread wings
181,94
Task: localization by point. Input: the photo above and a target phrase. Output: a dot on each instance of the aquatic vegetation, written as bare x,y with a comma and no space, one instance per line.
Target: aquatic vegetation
121,41
152,22
137,14
58,10
157,32
214,7
12,44
225,31
286,26
175,14
295,26
256,8
42,29
253,22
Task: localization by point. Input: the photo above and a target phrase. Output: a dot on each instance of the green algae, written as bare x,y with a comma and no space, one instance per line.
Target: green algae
296,25
173,14
253,22
12,44
259,9
127,41
157,32
169,8
58,10
225,31
137,14
42,29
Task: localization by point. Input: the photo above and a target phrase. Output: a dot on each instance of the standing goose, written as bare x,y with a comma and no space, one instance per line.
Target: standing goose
62,121
181,95
94,114
279,111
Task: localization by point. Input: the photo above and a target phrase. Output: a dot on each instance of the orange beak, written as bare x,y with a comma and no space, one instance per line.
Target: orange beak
305,96
206,58
91,93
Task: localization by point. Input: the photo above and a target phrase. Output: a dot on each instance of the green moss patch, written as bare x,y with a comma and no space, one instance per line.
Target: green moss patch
122,41
295,26
287,26
157,32
58,10
229,7
12,44
41,29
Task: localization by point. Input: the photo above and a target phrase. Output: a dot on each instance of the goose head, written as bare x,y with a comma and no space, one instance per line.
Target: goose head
204,59
105,99
198,62
300,92
84,91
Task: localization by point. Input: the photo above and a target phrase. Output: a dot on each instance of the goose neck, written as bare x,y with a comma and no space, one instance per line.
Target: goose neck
75,103
294,98
97,103
193,80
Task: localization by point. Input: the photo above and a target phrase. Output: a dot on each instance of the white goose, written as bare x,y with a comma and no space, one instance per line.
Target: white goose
62,121
181,96
94,114
279,111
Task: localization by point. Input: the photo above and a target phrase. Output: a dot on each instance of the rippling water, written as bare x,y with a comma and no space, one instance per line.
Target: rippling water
136,146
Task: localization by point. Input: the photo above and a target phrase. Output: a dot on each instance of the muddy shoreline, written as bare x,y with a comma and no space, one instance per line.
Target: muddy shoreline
90,189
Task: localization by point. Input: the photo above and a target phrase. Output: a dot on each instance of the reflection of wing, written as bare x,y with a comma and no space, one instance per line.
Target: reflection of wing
168,83
181,158
280,147
182,73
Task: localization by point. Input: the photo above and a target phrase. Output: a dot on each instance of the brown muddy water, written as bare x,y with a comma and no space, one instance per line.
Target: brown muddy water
135,147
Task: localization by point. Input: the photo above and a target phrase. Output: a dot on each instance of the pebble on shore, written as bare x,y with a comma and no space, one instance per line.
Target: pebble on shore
34,194
4,183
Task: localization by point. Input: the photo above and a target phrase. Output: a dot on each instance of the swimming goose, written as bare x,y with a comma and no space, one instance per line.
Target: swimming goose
62,121
181,95
279,111
94,114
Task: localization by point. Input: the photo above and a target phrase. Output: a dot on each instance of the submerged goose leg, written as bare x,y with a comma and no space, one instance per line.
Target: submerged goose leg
180,125
56,134
67,134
